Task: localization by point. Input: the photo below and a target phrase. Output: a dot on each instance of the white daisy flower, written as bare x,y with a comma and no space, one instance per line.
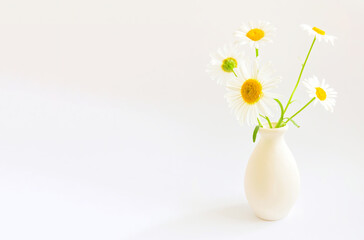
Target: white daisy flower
322,92
224,63
256,34
249,94
320,34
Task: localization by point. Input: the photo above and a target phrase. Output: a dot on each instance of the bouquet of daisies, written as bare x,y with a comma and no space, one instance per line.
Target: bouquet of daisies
249,84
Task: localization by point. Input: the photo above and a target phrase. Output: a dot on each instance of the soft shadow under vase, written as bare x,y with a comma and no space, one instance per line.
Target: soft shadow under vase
272,180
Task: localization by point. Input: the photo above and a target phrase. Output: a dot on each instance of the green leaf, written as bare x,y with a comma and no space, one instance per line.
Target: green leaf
294,123
255,133
282,112
292,101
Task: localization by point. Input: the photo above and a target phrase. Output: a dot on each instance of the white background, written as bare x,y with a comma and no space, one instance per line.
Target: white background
111,129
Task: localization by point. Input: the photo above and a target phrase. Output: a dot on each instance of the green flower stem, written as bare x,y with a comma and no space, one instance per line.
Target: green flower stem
234,73
268,120
256,52
270,124
299,77
278,125
260,124
301,109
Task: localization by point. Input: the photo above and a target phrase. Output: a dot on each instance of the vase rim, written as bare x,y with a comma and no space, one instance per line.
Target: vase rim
267,129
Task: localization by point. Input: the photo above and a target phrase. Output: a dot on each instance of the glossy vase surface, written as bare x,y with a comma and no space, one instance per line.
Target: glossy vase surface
272,179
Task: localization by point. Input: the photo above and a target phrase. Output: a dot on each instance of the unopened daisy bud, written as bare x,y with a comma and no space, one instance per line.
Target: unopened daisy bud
229,64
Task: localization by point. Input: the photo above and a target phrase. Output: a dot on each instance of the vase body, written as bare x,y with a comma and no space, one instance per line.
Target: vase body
272,179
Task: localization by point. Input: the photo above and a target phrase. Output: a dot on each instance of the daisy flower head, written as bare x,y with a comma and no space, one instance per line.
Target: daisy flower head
255,33
250,93
322,92
224,63
318,33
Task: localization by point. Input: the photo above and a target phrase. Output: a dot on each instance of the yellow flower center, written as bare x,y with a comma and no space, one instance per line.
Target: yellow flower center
229,64
251,91
255,34
319,31
320,93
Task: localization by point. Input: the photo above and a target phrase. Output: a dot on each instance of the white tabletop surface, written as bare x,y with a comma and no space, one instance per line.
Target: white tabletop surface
79,169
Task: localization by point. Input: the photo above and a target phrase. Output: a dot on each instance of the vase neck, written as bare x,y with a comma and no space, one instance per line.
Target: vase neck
272,133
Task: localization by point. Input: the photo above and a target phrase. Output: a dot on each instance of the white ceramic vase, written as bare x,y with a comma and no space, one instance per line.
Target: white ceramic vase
272,180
